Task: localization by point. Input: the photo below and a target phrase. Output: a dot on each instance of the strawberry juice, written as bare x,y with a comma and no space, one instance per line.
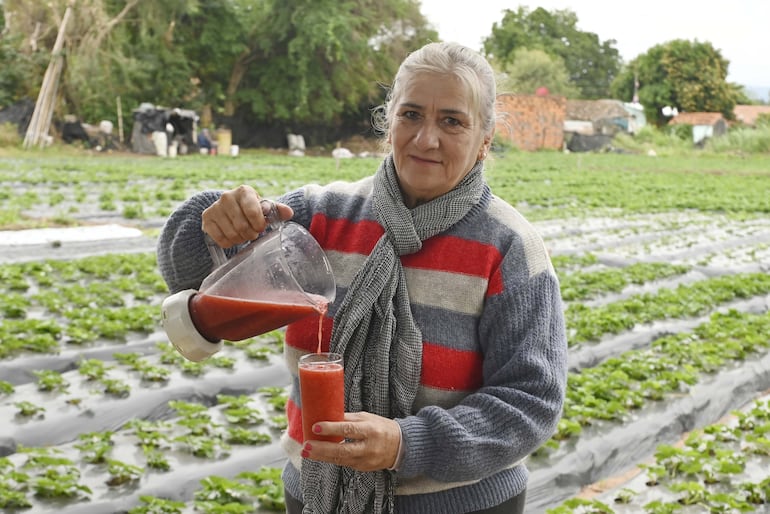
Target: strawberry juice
235,319
321,382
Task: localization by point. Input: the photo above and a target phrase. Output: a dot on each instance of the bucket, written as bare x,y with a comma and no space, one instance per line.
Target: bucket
224,141
160,140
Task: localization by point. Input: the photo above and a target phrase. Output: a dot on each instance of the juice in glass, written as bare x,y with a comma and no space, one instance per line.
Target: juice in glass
321,382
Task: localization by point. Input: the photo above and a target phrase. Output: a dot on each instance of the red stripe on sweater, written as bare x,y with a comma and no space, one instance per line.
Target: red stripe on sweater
346,236
294,417
459,255
303,334
452,370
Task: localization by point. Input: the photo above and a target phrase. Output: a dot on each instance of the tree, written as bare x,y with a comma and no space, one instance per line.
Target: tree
592,64
688,75
298,61
272,62
112,48
21,66
533,69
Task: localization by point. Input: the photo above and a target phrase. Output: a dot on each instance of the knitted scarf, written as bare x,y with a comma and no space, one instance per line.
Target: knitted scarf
378,338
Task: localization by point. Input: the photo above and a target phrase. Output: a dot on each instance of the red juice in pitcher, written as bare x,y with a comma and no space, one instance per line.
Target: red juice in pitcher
235,319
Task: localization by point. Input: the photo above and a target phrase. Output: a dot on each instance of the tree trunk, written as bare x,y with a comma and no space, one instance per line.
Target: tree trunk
236,75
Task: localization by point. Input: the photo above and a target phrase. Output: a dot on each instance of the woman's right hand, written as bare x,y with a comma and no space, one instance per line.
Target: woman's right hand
238,216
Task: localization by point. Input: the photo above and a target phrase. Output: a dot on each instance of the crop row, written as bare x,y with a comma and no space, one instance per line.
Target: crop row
724,467
586,285
608,392
76,313
130,371
64,188
52,475
612,390
589,324
99,285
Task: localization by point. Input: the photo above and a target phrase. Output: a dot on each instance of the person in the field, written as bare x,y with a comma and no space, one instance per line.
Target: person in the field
448,312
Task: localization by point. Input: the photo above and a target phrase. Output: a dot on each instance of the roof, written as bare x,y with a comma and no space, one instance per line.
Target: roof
594,110
748,114
696,118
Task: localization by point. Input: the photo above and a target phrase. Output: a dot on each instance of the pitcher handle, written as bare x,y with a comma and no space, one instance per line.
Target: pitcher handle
273,223
217,253
271,216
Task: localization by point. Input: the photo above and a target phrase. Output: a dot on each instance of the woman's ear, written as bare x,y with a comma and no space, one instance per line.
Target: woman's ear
485,145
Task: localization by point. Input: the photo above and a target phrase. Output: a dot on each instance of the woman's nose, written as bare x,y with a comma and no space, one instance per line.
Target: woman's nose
427,136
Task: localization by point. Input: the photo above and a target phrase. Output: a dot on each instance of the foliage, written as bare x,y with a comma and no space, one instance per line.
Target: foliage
659,140
9,134
705,472
585,285
532,69
743,140
295,61
585,324
592,64
688,75
16,69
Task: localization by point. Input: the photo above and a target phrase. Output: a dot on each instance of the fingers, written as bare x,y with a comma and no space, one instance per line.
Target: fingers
372,442
284,211
238,217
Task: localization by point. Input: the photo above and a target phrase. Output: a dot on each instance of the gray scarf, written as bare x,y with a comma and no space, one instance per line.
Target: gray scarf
378,338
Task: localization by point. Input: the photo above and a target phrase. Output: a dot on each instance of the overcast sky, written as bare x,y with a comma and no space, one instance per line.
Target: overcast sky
739,29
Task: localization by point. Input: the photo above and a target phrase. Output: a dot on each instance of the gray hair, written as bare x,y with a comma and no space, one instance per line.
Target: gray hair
445,58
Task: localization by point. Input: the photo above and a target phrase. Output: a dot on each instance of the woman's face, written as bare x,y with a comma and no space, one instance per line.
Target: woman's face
436,136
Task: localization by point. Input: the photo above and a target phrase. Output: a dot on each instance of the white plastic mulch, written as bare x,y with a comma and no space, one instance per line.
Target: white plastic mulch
66,235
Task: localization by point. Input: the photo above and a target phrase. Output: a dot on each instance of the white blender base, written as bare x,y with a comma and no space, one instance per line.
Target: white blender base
179,327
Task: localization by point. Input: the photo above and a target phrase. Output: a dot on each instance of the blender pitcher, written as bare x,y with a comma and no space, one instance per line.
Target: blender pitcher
278,278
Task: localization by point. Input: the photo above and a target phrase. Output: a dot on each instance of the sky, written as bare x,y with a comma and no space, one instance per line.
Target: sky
739,29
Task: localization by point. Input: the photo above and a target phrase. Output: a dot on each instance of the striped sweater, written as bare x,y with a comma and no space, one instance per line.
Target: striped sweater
487,302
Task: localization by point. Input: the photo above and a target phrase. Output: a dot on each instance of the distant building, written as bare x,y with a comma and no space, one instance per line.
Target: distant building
591,124
748,114
704,124
638,119
607,117
532,122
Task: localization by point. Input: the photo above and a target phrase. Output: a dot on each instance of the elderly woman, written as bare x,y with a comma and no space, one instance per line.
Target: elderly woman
448,310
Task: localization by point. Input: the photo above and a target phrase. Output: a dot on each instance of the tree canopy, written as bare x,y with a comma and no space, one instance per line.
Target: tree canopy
591,64
688,75
271,62
535,69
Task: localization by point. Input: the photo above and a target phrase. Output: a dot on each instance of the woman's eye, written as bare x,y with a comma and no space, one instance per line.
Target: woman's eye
411,115
453,122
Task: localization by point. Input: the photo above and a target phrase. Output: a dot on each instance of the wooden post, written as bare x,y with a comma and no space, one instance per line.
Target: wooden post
43,113
120,120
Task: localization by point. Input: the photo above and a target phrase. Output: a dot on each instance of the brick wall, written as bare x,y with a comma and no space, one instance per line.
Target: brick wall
532,122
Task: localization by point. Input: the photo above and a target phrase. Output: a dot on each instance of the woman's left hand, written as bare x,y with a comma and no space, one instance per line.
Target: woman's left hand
371,442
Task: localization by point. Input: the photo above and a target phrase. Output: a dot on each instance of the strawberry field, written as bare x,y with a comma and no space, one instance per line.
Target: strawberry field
663,264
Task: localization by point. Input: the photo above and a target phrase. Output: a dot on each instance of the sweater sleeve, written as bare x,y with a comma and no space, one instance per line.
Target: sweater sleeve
522,335
183,258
